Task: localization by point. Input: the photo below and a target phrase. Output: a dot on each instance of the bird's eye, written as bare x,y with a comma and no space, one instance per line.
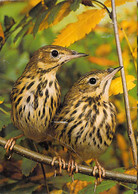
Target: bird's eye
54,53
92,80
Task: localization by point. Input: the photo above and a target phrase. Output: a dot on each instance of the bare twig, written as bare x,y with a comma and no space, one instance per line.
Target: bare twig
127,107
111,175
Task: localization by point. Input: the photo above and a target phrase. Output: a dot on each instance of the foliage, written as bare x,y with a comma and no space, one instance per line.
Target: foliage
85,26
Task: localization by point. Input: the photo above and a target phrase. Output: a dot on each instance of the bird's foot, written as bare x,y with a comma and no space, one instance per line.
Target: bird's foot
71,165
10,144
100,169
61,161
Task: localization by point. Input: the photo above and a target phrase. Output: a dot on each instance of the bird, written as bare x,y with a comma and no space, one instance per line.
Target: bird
86,123
35,96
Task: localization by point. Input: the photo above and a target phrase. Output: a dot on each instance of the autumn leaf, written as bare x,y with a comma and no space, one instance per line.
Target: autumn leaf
135,53
77,30
2,34
103,50
50,17
76,186
63,12
122,144
102,61
57,192
30,5
131,171
41,176
117,2
116,85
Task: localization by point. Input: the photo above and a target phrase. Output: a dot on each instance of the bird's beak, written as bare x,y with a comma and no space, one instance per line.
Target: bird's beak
74,55
77,55
107,80
70,56
112,72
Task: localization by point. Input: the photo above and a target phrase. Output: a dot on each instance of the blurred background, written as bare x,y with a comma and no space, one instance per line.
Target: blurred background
101,47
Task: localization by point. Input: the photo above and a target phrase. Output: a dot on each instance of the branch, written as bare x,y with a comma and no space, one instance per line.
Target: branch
127,107
120,177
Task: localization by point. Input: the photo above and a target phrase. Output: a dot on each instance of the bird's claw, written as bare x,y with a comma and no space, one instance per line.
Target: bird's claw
71,165
10,144
101,171
61,161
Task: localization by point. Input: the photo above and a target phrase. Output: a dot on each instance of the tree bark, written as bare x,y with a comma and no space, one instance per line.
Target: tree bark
110,175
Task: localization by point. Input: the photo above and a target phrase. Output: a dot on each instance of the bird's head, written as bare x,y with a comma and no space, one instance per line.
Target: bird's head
94,84
51,57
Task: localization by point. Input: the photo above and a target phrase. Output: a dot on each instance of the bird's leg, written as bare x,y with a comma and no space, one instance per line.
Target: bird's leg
11,142
61,161
100,169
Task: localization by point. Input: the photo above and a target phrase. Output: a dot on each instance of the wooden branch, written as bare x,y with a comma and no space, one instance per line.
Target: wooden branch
110,175
127,107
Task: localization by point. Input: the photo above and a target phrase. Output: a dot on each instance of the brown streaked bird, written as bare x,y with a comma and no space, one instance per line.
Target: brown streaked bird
86,123
35,96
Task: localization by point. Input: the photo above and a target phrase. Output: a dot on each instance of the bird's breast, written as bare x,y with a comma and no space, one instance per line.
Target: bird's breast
35,107
88,128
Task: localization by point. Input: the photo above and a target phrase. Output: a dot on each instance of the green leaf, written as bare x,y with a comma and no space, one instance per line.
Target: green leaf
33,13
38,21
60,181
8,105
22,31
28,166
1,99
26,189
84,177
105,185
18,187
50,3
75,5
129,192
121,169
4,120
14,132
22,22
54,11
2,153
8,22
35,10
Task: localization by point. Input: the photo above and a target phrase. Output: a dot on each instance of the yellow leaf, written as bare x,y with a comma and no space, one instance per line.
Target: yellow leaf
102,61
103,50
77,185
116,85
121,117
76,31
88,161
56,192
131,171
30,5
2,34
122,144
135,53
117,2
